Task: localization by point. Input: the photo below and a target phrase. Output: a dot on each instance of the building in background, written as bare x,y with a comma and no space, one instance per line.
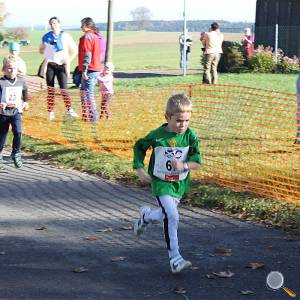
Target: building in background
285,13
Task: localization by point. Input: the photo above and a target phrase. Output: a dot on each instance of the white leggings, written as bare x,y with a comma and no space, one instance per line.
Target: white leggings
168,213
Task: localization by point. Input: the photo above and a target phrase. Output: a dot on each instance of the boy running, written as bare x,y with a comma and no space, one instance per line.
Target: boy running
175,152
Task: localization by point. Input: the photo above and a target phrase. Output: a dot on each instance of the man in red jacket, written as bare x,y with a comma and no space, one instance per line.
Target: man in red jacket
89,62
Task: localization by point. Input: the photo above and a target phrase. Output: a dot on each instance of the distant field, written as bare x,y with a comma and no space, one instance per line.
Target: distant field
132,50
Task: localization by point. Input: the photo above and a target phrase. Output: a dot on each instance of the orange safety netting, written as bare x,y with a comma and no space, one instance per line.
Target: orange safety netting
247,135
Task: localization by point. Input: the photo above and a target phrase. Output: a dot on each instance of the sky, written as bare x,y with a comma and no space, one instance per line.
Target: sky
70,12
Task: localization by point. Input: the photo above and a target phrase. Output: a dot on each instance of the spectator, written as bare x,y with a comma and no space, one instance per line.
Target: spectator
14,98
202,34
248,43
106,87
14,50
89,62
77,74
212,42
59,49
185,39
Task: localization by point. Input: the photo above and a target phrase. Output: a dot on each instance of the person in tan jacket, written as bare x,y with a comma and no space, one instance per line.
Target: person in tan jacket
212,42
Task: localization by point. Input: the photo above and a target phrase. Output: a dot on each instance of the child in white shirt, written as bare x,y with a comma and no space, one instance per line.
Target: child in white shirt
105,81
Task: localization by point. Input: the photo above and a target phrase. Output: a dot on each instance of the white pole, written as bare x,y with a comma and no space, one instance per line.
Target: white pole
276,43
184,38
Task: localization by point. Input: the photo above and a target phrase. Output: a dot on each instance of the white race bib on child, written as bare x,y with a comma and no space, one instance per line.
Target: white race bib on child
12,96
162,166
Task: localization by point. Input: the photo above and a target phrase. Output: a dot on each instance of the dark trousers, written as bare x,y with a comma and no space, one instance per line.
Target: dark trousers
58,71
16,124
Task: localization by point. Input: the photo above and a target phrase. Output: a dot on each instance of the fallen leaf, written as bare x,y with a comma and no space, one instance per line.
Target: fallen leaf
223,251
129,227
80,270
179,290
255,265
247,292
118,258
41,228
108,229
211,276
224,274
91,238
126,220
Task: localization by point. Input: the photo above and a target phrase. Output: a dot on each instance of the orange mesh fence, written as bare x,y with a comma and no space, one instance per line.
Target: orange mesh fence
248,136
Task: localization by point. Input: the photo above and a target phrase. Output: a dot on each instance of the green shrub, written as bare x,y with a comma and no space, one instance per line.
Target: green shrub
262,60
287,65
232,59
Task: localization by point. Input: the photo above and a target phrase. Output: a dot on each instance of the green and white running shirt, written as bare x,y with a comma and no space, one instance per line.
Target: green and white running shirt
167,146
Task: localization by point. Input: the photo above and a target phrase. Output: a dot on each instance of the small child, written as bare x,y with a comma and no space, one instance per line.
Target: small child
14,98
105,81
175,152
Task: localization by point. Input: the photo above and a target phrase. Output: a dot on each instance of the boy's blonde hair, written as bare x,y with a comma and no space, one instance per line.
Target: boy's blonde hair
178,103
8,61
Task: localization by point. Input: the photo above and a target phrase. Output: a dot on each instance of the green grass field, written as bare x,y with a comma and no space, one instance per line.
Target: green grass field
132,50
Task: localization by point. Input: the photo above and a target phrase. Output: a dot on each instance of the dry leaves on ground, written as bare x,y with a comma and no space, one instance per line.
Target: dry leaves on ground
80,270
129,227
255,265
41,228
223,251
91,238
118,258
107,229
223,274
247,292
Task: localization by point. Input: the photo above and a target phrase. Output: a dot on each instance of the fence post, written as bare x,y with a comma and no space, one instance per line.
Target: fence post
276,44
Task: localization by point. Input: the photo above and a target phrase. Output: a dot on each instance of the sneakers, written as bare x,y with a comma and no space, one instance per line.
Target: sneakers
17,160
178,264
140,224
72,113
51,115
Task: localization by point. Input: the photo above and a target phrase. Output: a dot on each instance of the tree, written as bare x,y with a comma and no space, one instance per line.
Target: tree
142,16
3,13
16,34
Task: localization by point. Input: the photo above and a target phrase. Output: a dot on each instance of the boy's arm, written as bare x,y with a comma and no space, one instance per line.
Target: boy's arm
25,96
139,150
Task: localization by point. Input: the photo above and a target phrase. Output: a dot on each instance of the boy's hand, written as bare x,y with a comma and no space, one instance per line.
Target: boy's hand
144,177
177,165
25,105
3,105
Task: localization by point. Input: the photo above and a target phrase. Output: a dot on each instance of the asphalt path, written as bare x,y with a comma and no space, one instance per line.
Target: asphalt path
67,235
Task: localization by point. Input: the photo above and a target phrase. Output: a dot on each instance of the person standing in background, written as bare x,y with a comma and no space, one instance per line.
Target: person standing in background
59,49
212,42
14,50
185,39
89,63
248,43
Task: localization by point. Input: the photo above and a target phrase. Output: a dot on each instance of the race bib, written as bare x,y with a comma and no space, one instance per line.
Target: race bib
12,96
162,166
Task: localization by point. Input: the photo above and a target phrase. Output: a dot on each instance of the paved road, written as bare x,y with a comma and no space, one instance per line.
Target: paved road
69,207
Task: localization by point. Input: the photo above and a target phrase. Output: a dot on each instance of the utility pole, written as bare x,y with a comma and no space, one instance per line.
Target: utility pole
109,32
184,38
